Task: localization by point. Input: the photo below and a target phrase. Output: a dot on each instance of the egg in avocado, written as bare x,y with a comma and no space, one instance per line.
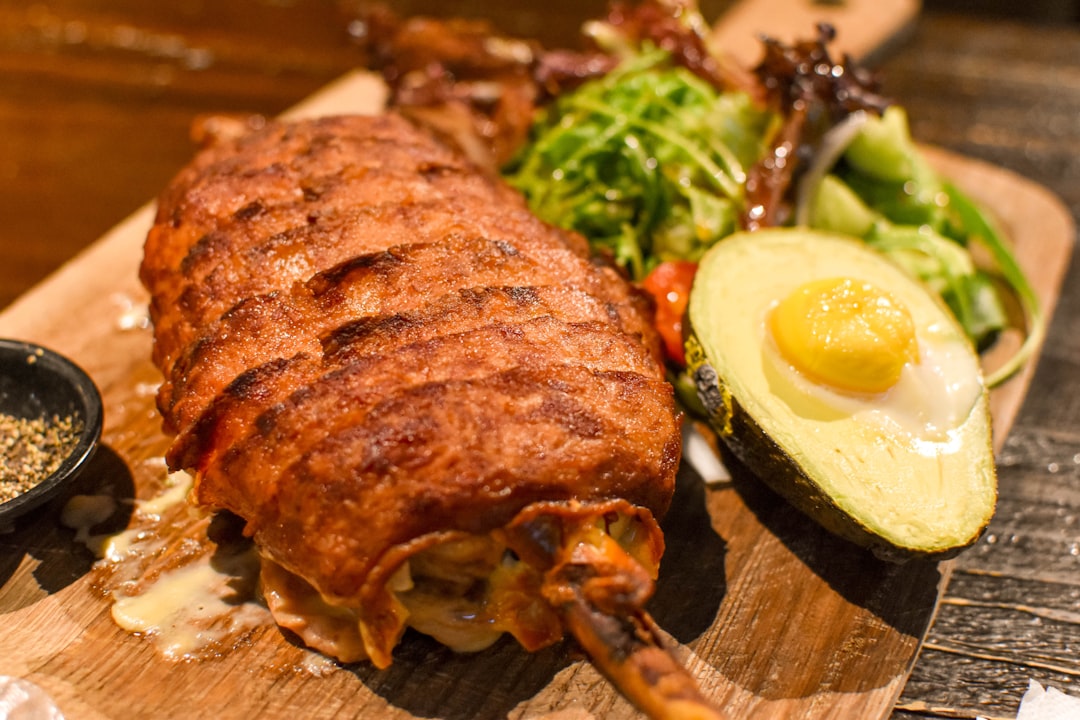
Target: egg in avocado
846,386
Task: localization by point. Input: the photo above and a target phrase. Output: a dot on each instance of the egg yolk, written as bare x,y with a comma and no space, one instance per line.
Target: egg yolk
846,334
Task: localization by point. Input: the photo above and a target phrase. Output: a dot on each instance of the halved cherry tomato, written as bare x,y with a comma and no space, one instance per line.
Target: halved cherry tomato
669,284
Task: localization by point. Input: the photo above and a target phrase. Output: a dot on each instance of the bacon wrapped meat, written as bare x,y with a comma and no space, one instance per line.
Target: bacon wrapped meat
431,409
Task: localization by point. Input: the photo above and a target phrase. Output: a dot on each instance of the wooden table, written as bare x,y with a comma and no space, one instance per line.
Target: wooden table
96,99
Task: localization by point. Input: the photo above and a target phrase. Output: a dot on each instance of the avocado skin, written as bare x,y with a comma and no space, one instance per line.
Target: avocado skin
768,461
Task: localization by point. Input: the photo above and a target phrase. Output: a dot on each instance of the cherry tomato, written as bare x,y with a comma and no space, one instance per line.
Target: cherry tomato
669,284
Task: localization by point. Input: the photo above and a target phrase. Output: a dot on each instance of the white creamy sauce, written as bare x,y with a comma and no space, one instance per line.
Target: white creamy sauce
145,389
82,512
118,546
194,608
318,665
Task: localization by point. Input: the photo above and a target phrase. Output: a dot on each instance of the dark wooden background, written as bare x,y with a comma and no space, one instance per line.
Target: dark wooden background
95,102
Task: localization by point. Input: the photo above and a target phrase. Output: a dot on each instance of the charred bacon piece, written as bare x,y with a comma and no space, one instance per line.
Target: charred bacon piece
465,81
431,409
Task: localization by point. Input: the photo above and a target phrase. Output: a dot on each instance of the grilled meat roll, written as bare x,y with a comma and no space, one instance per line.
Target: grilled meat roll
430,408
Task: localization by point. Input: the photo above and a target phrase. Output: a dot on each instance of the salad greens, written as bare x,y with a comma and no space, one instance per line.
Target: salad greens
647,162
650,163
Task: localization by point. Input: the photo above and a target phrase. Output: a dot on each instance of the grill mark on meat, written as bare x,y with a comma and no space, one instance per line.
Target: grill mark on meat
216,187
420,264
250,386
293,219
399,278
305,150
466,308
293,249
367,285
251,210
215,193
213,242
520,294
435,170
282,246
476,354
455,312
498,340
353,220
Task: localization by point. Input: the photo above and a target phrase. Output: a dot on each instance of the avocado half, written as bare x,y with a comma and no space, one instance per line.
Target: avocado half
899,495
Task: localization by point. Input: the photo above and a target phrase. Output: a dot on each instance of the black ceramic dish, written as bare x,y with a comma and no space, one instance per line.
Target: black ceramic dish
37,382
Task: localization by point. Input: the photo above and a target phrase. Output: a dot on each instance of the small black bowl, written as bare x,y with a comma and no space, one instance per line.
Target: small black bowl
36,382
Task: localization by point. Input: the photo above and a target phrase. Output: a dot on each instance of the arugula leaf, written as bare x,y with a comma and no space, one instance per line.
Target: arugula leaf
648,162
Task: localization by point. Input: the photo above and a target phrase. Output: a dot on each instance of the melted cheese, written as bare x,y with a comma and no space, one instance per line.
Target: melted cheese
193,608
82,513
188,597
115,548
465,593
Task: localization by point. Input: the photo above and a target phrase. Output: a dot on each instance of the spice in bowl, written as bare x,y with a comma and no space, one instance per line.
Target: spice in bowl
32,450
50,422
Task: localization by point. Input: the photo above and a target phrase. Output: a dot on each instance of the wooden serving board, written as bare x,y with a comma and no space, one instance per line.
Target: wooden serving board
776,618
865,29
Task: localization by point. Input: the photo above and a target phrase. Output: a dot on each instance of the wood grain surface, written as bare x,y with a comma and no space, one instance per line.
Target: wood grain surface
96,97
776,618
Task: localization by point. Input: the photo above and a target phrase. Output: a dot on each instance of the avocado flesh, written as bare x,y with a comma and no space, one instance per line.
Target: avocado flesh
901,495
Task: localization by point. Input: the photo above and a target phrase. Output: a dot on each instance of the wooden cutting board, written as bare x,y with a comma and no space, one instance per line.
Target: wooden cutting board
776,618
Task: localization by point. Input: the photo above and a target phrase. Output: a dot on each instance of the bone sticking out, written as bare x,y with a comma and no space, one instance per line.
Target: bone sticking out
599,589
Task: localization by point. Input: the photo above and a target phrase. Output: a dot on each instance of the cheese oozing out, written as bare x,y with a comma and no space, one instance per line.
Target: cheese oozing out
465,591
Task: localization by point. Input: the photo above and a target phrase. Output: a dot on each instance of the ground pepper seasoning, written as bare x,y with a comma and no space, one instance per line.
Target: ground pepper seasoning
32,449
